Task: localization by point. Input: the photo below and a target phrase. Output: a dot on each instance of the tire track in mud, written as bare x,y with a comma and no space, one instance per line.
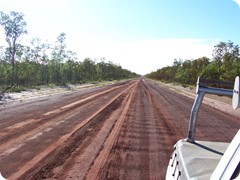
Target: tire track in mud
30,124
131,138
38,127
212,124
47,146
140,150
101,159
82,158
153,124
25,131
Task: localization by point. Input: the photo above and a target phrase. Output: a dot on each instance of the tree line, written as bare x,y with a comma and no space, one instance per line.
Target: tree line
42,63
225,65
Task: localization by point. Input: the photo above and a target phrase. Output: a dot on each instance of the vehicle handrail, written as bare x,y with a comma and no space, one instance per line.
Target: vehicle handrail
202,89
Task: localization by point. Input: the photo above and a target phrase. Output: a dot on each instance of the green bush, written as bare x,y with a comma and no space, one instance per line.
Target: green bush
12,88
51,85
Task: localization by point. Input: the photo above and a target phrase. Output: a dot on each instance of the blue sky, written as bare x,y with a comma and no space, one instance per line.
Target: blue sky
140,35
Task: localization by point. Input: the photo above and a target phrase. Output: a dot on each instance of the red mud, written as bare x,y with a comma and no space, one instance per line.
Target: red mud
122,131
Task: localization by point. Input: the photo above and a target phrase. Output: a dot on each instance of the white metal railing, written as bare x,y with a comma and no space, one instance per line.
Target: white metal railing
203,87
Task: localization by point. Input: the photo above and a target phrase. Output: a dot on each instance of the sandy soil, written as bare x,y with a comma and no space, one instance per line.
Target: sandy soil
44,91
120,131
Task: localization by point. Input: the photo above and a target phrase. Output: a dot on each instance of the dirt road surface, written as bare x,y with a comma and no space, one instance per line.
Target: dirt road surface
120,131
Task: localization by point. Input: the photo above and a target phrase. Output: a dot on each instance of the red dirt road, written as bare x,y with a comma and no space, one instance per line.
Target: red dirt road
122,131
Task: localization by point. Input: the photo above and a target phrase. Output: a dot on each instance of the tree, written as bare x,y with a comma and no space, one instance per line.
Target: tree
197,67
89,70
39,55
14,26
59,53
223,48
229,67
36,49
211,71
2,51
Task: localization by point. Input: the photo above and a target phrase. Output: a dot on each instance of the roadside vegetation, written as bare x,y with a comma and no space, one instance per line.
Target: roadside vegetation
41,63
225,66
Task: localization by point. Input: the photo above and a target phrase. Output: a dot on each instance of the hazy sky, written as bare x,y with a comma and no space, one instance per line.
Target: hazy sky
140,35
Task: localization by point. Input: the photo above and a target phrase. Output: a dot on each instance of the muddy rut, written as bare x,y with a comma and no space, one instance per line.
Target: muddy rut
121,131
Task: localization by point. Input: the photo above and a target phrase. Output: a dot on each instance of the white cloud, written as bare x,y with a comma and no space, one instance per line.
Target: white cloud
237,1
147,55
